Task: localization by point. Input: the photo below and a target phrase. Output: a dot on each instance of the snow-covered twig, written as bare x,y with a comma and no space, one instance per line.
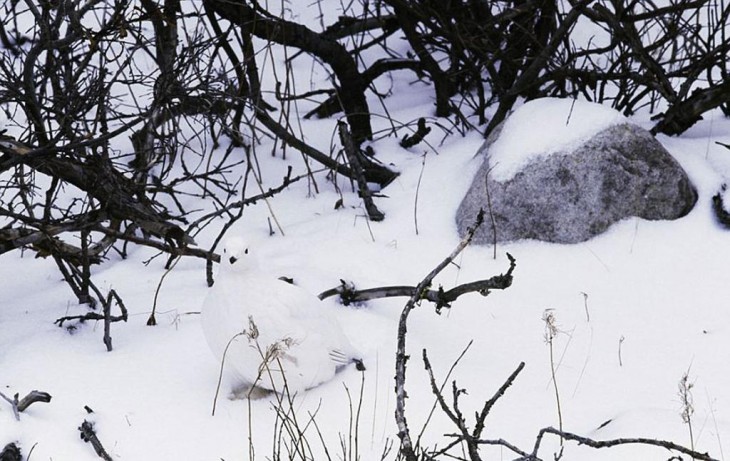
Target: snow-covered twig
718,206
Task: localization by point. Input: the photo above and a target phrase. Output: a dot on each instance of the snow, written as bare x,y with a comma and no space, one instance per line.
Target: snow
654,292
545,126
636,308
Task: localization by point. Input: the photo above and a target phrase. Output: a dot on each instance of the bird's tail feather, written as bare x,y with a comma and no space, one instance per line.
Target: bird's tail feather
342,360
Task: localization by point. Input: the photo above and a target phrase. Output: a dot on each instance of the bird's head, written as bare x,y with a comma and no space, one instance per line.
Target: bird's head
237,255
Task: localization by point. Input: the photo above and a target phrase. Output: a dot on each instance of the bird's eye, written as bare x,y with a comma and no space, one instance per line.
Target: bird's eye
245,251
232,259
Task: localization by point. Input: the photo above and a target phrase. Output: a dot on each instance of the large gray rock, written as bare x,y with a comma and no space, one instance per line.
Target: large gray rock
569,197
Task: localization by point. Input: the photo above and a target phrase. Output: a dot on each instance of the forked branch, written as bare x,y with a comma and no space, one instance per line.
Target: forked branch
407,447
20,405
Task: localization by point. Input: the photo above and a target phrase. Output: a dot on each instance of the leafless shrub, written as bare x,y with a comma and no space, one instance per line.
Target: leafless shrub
137,121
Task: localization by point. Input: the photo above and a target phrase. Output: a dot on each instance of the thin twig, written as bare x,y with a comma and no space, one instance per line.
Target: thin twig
152,321
441,388
621,441
497,395
551,331
418,188
220,372
13,403
353,157
491,215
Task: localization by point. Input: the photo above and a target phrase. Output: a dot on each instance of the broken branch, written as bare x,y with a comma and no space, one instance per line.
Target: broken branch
20,405
89,435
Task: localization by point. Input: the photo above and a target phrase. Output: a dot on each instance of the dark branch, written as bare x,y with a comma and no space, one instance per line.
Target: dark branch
622,441
100,180
89,435
353,157
407,449
20,405
490,403
11,452
409,141
271,28
348,294
683,114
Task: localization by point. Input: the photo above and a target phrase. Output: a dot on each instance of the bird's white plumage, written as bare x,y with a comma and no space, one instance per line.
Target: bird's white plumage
289,336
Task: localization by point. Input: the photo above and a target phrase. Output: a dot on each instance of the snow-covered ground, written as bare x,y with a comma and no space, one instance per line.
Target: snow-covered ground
636,308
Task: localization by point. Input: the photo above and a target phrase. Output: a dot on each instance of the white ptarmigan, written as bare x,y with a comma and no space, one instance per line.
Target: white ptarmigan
276,334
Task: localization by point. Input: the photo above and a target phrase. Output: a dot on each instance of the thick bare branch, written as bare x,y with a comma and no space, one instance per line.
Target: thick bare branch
100,180
348,294
20,405
683,114
267,27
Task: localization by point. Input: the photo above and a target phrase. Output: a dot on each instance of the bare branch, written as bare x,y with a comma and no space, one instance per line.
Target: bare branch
33,397
353,156
407,448
88,434
348,294
616,442
20,405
